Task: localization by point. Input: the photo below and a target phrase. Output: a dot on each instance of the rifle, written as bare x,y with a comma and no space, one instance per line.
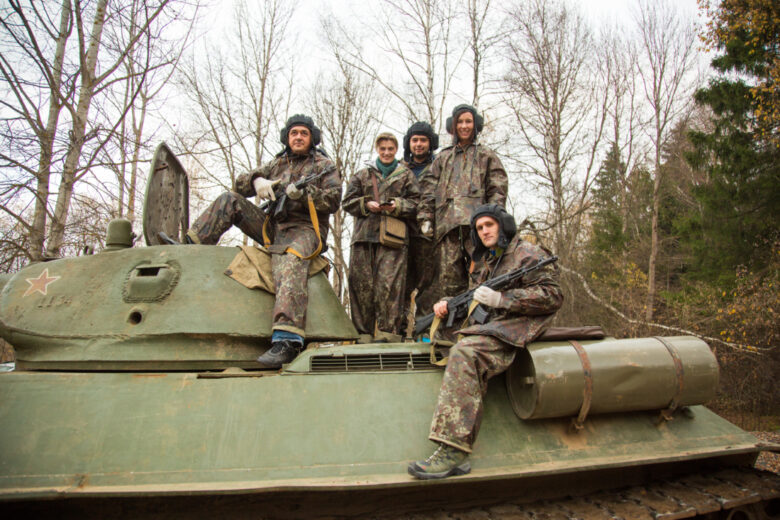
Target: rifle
278,208
457,307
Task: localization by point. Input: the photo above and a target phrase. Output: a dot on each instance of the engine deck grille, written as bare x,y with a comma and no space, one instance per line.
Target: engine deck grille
390,362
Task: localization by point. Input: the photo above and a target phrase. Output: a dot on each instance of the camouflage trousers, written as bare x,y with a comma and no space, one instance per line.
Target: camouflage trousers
229,209
451,273
419,275
472,361
291,276
376,287
290,272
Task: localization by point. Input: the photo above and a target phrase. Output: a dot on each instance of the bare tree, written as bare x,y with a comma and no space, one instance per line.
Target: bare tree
485,33
56,64
668,57
416,37
560,108
348,110
235,93
617,63
133,137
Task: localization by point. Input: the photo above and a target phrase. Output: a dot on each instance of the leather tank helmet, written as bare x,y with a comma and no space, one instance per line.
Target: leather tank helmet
300,120
457,111
420,128
506,225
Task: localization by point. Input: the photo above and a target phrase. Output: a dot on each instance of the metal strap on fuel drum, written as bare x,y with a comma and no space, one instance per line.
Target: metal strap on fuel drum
666,415
587,392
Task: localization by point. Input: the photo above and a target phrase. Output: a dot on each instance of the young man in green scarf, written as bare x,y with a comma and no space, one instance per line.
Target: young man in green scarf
377,272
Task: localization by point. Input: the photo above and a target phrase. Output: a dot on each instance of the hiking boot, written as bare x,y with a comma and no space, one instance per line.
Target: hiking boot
446,461
280,353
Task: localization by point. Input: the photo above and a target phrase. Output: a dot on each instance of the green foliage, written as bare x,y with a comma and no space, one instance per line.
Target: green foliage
621,214
740,198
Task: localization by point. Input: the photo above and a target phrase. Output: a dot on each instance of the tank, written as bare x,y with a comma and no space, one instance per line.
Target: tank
136,392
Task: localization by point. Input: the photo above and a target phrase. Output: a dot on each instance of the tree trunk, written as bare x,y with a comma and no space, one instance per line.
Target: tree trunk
38,229
78,130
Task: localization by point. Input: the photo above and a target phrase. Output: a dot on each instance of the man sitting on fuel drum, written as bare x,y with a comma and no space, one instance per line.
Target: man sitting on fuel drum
294,236
516,317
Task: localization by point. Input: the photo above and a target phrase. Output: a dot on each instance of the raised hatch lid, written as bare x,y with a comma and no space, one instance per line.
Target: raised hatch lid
166,205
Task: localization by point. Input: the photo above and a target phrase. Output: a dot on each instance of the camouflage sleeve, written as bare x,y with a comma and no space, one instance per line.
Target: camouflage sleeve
428,183
354,201
539,295
496,181
244,181
326,195
406,205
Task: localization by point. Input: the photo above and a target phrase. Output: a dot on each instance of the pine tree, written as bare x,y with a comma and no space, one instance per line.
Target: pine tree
740,200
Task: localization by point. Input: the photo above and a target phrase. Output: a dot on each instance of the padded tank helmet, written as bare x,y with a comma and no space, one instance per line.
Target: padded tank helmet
420,128
300,120
479,121
506,224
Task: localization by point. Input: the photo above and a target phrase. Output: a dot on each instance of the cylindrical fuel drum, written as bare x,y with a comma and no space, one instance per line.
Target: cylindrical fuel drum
560,379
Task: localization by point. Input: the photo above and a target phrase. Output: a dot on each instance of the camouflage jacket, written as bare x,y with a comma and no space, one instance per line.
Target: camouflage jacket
460,180
400,186
528,306
325,191
414,228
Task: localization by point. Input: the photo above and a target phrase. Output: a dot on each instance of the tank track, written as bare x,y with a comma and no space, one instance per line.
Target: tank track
731,494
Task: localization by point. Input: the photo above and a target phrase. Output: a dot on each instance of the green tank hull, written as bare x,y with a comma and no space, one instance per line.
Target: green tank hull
132,392
124,434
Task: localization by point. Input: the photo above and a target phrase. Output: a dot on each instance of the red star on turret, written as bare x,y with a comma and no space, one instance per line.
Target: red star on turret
40,284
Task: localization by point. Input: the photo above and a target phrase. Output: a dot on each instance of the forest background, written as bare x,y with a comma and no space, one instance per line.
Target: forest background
641,143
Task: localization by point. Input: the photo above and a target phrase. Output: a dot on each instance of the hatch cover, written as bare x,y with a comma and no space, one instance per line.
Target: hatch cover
166,205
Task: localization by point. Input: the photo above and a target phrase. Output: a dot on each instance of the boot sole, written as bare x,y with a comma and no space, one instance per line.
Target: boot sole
417,472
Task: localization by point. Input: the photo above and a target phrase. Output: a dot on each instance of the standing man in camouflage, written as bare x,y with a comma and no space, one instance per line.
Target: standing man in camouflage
420,142
517,315
377,272
293,239
463,176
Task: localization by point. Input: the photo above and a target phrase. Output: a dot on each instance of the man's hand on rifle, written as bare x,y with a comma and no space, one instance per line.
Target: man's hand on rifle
487,296
440,309
265,188
293,192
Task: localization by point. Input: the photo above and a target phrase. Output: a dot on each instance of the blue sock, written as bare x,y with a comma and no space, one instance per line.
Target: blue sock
281,335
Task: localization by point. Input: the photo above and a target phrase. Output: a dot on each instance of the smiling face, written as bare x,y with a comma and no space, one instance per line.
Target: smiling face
299,139
464,128
419,145
386,150
488,230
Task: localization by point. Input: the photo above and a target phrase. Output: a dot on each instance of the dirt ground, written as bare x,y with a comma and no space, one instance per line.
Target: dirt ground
767,460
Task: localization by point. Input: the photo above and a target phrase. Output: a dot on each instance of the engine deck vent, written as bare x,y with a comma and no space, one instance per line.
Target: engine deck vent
390,362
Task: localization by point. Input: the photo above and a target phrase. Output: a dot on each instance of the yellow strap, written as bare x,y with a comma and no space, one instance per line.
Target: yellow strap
315,222
434,327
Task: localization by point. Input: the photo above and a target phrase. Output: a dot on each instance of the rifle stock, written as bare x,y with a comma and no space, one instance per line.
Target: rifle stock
457,307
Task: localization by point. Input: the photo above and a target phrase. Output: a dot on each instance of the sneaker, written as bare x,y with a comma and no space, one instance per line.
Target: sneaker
281,352
446,461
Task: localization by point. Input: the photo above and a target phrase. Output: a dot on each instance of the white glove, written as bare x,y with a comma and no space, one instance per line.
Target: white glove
265,188
293,192
487,296
426,229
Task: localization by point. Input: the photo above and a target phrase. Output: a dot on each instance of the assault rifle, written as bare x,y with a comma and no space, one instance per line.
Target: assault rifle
458,306
278,208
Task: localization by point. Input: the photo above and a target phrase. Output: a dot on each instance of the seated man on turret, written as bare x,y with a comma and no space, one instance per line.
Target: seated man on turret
292,238
517,315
